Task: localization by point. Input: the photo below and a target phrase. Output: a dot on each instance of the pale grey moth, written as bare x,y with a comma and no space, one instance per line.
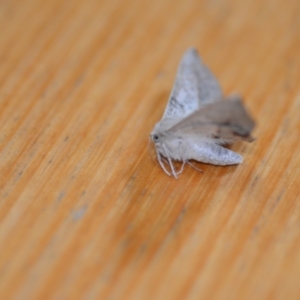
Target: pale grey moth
198,120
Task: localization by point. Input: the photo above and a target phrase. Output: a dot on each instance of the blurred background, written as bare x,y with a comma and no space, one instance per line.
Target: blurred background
86,212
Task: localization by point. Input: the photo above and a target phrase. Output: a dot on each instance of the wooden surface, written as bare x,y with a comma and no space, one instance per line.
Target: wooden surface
86,212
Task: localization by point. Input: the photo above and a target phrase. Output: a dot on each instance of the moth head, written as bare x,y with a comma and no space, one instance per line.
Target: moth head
155,137
160,132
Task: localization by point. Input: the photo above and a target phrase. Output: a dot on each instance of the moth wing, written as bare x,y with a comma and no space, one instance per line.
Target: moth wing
224,122
212,154
194,87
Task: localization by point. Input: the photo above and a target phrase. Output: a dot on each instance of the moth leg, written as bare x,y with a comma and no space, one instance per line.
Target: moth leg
183,163
172,167
181,169
170,162
193,166
160,161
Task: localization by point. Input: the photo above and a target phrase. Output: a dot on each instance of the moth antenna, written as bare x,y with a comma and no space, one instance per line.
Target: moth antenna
189,163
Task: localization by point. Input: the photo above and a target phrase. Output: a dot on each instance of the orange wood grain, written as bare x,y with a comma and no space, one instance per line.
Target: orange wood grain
86,212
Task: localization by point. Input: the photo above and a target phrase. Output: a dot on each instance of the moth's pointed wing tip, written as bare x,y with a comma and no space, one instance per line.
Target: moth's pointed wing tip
250,126
250,139
239,159
235,96
238,100
192,52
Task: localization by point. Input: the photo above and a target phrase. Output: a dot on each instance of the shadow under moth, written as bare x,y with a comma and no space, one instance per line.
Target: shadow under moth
198,120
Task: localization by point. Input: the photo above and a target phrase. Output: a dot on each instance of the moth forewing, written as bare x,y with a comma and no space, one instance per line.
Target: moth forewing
194,87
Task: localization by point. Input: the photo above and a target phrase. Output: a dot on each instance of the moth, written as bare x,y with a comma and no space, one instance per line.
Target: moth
198,120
